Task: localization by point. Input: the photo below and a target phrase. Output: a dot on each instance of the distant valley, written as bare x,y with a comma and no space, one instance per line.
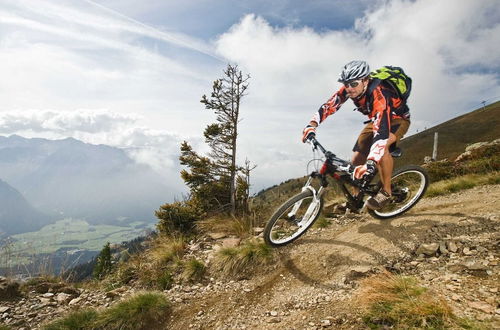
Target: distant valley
45,183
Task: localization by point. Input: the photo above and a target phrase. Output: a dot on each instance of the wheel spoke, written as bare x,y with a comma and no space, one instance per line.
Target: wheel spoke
408,186
292,219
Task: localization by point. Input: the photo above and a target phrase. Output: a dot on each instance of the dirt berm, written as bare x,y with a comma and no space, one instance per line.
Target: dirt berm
314,282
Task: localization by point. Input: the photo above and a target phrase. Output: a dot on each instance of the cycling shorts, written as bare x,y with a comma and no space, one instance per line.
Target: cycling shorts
399,127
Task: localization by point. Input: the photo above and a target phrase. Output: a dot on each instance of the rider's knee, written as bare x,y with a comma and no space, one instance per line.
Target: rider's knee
358,158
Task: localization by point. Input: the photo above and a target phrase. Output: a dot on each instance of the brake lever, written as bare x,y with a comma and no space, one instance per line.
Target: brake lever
314,146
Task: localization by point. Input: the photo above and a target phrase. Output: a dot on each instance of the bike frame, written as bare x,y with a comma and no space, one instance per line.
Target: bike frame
341,170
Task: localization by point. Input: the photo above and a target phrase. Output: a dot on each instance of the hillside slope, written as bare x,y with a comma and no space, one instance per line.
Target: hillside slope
453,135
16,214
313,283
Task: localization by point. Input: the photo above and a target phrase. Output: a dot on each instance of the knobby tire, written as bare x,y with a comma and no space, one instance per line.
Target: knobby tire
414,200
281,211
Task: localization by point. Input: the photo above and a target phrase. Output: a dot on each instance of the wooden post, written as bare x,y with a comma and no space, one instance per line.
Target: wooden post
435,149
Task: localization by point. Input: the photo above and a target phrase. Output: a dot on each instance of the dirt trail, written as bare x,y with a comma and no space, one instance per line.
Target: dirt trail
314,281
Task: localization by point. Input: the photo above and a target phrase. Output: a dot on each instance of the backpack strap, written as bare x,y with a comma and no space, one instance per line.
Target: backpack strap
374,82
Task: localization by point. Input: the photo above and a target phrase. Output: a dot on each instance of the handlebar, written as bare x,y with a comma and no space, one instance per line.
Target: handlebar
342,164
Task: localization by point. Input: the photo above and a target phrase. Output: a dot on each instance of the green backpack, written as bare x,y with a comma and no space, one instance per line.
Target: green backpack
395,77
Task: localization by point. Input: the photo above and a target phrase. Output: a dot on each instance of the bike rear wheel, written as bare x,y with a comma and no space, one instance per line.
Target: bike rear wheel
293,218
408,184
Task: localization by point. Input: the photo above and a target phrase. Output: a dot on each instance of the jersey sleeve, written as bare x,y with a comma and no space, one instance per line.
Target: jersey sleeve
381,125
331,106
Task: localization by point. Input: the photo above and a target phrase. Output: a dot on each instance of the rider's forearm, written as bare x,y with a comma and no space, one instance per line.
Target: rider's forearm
330,107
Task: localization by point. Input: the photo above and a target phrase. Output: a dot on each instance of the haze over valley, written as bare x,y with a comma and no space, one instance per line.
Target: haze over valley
66,194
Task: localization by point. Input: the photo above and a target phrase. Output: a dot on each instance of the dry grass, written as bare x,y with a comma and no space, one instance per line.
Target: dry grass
166,249
238,226
154,268
400,302
243,259
194,270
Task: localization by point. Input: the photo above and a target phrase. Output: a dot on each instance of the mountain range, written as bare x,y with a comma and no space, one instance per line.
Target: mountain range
47,180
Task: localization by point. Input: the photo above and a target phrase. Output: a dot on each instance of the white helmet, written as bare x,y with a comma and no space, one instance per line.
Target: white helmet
354,70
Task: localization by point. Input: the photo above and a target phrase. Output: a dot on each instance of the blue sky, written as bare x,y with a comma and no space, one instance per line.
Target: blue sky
131,73
207,19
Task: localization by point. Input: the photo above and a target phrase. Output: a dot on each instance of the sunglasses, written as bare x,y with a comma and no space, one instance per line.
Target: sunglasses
352,84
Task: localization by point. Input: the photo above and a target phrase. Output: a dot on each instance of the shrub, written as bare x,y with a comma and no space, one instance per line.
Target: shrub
441,170
194,270
103,264
481,160
178,217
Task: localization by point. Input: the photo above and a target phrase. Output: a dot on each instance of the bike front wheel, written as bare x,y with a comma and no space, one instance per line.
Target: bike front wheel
408,186
293,218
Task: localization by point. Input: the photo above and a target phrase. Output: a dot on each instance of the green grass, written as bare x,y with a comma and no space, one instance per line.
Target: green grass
445,187
194,270
89,237
78,320
243,259
145,310
322,222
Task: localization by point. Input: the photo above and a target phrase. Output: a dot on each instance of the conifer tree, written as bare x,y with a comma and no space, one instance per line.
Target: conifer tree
103,265
222,136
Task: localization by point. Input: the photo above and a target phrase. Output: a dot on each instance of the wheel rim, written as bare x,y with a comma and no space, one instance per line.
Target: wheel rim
287,228
407,189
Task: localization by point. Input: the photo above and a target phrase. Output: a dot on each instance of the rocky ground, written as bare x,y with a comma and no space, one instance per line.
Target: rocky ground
450,243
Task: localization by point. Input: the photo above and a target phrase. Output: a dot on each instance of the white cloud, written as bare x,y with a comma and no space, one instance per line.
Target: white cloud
156,148
64,123
449,48
64,55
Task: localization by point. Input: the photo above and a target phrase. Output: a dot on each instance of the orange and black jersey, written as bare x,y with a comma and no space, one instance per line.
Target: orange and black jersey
380,103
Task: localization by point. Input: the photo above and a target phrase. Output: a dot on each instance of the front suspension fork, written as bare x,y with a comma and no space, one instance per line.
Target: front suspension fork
316,199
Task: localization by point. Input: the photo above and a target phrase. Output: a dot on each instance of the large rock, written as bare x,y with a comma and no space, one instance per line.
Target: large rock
476,145
428,249
230,242
357,273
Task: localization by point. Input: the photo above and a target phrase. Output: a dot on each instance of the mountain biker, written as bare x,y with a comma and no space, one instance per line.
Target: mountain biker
389,121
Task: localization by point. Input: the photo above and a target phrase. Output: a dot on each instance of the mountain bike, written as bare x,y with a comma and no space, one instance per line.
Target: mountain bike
292,219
